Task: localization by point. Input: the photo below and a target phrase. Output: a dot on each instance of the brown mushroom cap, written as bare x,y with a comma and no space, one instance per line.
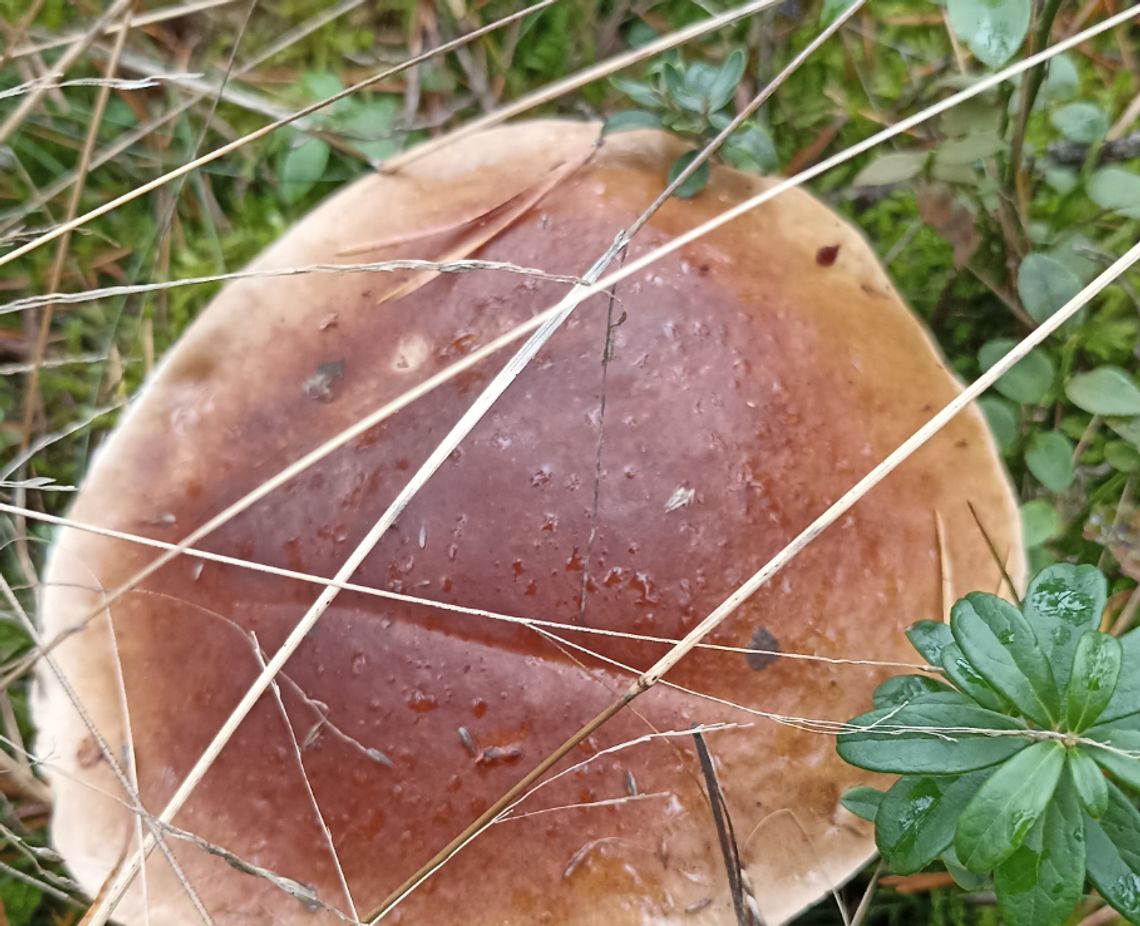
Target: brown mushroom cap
755,376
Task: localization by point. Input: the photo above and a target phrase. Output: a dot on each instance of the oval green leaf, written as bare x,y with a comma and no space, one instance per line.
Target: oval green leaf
1113,854
1000,815
1062,603
1049,458
697,182
902,689
1041,882
1124,768
863,801
1092,789
1125,701
1096,668
1116,189
1001,416
891,168
1104,391
1040,522
916,819
630,120
302,168
908,741
1044,285
1030,379
930,638
962,673
1081,122
998,641
994,29
1122,457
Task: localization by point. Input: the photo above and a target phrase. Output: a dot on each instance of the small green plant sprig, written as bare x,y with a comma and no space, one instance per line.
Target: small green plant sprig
1020,765
692,101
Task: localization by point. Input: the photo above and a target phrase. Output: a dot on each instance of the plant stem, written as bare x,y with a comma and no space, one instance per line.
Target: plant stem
1030,87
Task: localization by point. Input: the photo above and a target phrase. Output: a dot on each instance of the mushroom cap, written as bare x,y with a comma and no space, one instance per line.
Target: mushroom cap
755,375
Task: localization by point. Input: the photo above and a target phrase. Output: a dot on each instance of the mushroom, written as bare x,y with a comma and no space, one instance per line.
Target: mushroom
751,378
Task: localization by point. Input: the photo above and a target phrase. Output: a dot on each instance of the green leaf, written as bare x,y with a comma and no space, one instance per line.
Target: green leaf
891,168
1104,391
1040,522
751,148
1041,882
631,119
1092,789
1116,189
724,84
1000,815
1049,458
916,819
1062,603
1028,381
302,168
863,801
370,127
1062,80
962,673
1045,285
1096,668
1128,428
696,182
641,94
929,638
1122,457
1126,699
1001,416
1081,122
994,29
1125,769
832,10
1113,847
998,641
970,148
966,880
896,740
902,689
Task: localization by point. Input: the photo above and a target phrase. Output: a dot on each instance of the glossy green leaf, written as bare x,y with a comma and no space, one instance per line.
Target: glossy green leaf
1116,189
724,83
1124,768
994,29
1040,522
1113,854
696,182
630,120
962,673
1104,391
1000,815
1049,458
1041,882
896,740
302,168
902,689
1125,700
1002,418
998,641
1030,379
1096,668
891,168
929,638
863,801
1122,456
1044,285
1081,122
1062,603
1089,780
965,879
916,819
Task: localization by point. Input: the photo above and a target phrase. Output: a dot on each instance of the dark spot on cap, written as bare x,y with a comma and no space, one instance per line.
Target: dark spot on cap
319,386
89,754
825,256
762,639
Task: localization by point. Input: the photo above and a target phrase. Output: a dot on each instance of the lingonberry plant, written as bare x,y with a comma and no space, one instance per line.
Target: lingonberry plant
1021,762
